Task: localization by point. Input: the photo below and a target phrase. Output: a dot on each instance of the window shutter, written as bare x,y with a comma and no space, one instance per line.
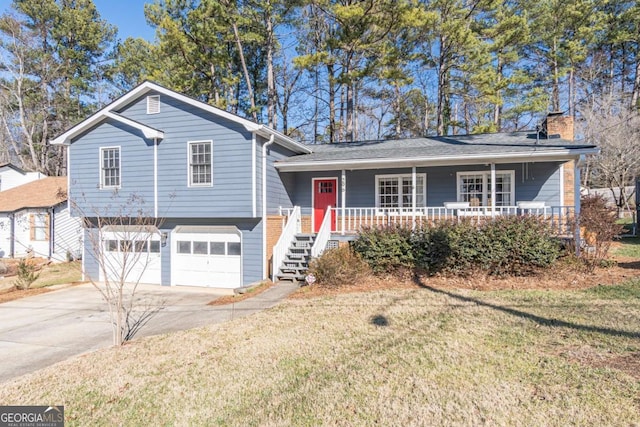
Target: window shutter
47,225
153,104
32,227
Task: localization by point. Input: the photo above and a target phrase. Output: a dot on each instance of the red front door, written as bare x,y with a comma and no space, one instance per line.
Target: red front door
325,195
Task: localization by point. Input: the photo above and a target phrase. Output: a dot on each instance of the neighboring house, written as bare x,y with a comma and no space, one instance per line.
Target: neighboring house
234,196
35,221
12,176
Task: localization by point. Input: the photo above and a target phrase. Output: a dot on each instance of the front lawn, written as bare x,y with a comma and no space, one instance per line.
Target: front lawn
50,274
421,356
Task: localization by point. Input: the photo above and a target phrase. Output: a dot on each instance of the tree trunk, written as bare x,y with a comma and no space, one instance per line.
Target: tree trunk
398,112
332,104
254,113
635,95
271,83
555,92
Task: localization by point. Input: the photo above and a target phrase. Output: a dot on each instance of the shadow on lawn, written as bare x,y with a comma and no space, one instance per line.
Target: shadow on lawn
538,319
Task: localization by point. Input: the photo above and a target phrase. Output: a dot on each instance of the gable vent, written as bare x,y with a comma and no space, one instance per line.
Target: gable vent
153,104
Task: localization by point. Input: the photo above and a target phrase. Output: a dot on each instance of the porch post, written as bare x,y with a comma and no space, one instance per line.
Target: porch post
493,189
343,190
413,196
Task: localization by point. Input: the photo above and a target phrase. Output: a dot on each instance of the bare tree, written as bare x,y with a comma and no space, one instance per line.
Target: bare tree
124,241
615,128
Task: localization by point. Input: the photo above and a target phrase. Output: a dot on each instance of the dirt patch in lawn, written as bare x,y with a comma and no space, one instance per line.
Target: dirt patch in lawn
561,276
628,363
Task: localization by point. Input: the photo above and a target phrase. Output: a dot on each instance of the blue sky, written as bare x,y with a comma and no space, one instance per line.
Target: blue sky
127,15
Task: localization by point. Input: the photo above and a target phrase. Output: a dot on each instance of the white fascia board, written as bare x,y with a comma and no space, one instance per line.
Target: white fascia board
145,87
147,131
283,140
559,155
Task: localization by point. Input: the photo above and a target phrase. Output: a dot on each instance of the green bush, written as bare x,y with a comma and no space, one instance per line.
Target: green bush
387,249
26,274
337,267
507,245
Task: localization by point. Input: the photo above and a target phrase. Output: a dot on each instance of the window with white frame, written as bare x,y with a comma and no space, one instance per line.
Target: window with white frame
110,167
475,188
200,163
395,192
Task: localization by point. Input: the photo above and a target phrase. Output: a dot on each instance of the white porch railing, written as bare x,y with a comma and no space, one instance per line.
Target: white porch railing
323,235
560,218
281,248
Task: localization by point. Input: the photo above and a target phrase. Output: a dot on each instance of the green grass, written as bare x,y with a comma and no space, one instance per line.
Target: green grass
630,247
396,357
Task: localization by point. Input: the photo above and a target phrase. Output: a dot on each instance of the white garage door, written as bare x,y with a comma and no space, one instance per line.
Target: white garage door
206,256
132,252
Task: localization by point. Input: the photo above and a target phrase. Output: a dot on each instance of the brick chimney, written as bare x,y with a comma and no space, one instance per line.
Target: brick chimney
557,124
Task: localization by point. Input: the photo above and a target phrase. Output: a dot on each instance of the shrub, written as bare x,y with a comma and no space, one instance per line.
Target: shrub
26,274
386,249
506,245
339,266
598,229
519,245
3,268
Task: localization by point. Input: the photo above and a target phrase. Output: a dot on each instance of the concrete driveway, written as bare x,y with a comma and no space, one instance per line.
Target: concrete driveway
39,331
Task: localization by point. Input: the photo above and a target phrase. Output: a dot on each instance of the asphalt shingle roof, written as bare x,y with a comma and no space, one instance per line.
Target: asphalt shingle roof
443,146
41,193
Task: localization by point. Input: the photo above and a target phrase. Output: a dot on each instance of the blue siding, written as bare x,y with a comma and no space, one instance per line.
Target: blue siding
136,171
537,182
278,185
90,263
231,192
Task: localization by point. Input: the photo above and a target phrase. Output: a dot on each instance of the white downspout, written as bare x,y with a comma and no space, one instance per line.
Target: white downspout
265,264
155,177
254,177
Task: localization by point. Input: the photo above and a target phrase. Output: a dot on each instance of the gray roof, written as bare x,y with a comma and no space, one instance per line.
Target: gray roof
517,143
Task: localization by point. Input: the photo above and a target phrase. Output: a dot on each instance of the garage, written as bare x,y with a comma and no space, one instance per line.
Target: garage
208,256
132,251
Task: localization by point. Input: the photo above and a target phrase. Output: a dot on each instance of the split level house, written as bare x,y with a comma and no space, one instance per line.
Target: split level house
217,200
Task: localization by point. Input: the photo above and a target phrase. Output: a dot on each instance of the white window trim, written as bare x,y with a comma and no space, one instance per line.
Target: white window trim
486,175
401,176
150,99
102,150
189,176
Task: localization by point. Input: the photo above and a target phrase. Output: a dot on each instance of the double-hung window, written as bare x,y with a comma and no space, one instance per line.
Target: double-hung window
395,192
39,225
475,188
110,167
200,171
